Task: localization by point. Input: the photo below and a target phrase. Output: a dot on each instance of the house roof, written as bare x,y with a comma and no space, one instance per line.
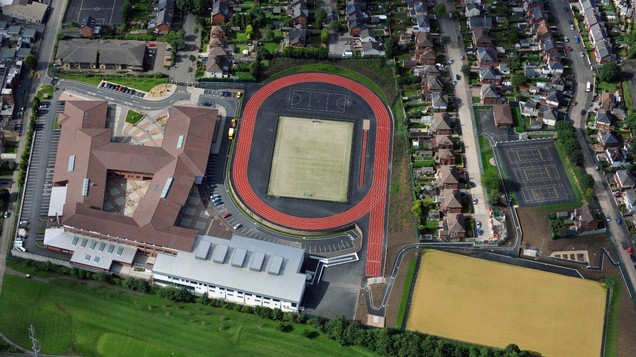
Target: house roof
454,223
603,118
450,199
440,122
609,138
489,91
126,52
625,178
603,50
447,175
443,140
220,7
481,35
444,154
163,17
630,196
489,73
297,35
85,140
28,32
434,84
615,155
585,214
479,22
502,114
439,100
424,39
486,54
30,10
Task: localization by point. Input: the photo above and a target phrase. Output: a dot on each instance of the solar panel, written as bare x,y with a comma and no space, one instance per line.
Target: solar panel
275,263
166,187
180,142
257,261
85,187
71,163
238,257
220,251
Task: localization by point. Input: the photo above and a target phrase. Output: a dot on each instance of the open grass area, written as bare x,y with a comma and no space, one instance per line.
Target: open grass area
611,334
303,167
606,86
519,120
76,318
408,282
486,155
629,102
495,304
44,92
11,148
144,84
133,117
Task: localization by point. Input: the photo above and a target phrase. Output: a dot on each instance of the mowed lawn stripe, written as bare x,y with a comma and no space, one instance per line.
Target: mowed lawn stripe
496,304
77,318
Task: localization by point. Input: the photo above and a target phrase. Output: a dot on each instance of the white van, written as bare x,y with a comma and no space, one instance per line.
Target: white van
588,87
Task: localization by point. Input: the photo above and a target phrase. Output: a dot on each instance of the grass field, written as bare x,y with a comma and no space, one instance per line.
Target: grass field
141,83
82,319
311,159
495,304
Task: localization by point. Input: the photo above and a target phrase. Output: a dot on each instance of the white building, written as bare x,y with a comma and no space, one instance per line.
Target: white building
241,270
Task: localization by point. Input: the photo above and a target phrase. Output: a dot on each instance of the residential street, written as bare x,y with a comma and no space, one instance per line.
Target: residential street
180,72
583,73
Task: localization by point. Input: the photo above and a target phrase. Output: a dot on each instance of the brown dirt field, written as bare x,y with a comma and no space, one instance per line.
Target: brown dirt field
538,237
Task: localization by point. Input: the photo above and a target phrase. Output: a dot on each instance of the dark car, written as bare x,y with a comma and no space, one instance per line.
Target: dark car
458,77
583,111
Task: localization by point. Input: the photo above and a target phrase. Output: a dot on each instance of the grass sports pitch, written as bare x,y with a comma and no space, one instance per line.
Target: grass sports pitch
79,319
311,159
496,304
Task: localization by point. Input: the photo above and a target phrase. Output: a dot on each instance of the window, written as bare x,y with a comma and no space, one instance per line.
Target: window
294,304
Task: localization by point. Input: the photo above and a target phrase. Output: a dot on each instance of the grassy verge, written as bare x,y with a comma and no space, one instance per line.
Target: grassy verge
406,293
141,83
486,155
629,103
56,124
76,318
520,122
133,117
45,92
613,285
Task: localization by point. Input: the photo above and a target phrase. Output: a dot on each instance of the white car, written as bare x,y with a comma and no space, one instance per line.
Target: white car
478,223
582,54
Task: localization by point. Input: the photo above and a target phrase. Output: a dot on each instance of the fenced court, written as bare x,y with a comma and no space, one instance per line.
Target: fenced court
311,159
536,173
311,100
104,12
495,304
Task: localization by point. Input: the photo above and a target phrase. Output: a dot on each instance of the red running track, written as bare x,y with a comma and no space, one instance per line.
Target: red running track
364,158
373,203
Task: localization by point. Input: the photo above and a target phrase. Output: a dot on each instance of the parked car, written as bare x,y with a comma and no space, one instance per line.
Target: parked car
570,49
577,39
566,39
7,214
619,220
582,54
226,215
218,203
480,232
608,219
458,77
237,226
475,201
478,223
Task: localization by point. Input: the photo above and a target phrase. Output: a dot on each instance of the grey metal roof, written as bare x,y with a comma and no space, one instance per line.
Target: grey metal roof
281,278
110,51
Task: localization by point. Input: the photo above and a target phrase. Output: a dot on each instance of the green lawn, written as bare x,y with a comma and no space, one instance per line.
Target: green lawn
11,149
45,92
133,117
144,84
520,121
606,86
318,67
410,274
72,317
611,334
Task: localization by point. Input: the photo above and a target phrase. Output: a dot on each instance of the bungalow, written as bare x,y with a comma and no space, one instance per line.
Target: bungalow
489,75
603,120
441,142
453,227
439,101
220,12
609,139
623,179
450,201
440,124
502,115
447,177
481,38
487,57
617,157
489,94
584,219
445,157
630,200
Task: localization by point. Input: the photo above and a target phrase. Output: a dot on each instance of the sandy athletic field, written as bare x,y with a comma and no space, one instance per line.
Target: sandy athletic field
497,304
311,159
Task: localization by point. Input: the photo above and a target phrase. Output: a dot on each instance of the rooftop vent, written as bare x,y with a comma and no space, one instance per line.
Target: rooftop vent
257,261
238,258
85,187
180,142
219,253
275,264
166,187
202,250
71,163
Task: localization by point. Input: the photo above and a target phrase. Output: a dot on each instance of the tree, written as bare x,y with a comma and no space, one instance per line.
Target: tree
199,6
609,72
391,48
439,10
127,11
490,180
255,69
334,26
30,61
176,39
417,209
324,36
249,31
183,5
319,16
519,79
466,70
269,36
494,196
192,58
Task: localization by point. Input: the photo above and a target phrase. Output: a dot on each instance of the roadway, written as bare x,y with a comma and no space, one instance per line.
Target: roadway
583,73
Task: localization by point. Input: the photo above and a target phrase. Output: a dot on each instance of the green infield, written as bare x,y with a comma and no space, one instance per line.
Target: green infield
79,318
311,159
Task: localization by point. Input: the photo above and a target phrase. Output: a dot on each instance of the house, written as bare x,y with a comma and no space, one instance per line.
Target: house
422,24
590,18
623,179
426,71
487,57
29,11
603,52
440,124
489,75
473,10
603,120
372,49
558,82
215,66
431,85
481,38
450,201
547,116
502,115
83,54
597,33
547,46
630,199
356,25
424,40
609,139
441,142
445,157
28,36
453,227
555,67
162,22
425,56
584,219
542,29
476,22
87,27
367,35
447,177
165,4
297,37
606,101
617,157
489,94
220,12
439,101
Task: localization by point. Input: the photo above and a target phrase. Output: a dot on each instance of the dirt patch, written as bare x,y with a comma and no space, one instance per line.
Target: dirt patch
378,292
160,90
393,305
492,161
